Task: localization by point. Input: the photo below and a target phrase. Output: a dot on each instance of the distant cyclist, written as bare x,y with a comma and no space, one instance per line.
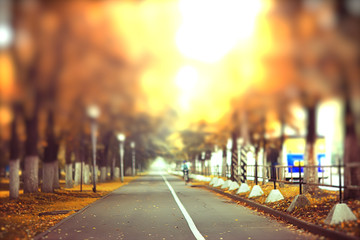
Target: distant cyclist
185,169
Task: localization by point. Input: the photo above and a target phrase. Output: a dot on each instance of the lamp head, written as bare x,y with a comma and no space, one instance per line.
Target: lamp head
121,137
93,111
229,144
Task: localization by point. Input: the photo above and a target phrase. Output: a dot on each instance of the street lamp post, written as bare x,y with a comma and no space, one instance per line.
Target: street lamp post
217,160
132,145
121,137
93,112
203,162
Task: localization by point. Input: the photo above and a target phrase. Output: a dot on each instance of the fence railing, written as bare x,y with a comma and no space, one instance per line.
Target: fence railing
331,176
326,176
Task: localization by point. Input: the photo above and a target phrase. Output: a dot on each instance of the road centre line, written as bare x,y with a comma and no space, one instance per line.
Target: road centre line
190,222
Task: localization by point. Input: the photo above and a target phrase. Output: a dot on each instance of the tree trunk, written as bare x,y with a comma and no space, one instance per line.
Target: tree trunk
106,154
80,156
69,183
310,173
86,174
87,163
108,172
113,159
116,173
56,183
77,173
203,167
262,149
14,183
14,163
50,156
264,165
351,155
31,168
223,169
96,173
48,177
31,174
281,174
103,174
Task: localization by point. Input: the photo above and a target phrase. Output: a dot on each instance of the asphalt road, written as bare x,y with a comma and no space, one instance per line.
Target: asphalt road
147,208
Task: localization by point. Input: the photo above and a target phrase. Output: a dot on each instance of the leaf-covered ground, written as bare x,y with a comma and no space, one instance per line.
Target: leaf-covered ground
19,219
321,203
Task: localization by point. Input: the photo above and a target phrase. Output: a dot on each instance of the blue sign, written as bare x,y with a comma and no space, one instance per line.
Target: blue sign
297,160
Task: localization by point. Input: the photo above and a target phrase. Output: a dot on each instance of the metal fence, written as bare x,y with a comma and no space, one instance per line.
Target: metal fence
328,176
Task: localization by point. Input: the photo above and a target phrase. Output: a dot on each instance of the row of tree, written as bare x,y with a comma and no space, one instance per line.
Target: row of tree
313,57
65,57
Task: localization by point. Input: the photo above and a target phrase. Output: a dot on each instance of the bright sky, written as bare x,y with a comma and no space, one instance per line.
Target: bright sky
200,56
195,46
203,53
186,80
209,31
211,28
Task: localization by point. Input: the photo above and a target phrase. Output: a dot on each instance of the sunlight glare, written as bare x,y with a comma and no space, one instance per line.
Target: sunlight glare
186,80
159,164
211,28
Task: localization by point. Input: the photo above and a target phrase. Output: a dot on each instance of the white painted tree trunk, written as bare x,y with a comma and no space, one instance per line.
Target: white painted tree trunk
281,173
103,174
310,174
48,177
263,158
86,174
69,182
31,174
117,173
96,173
128,171
223,169
56,175
77,173
108,173
14,184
